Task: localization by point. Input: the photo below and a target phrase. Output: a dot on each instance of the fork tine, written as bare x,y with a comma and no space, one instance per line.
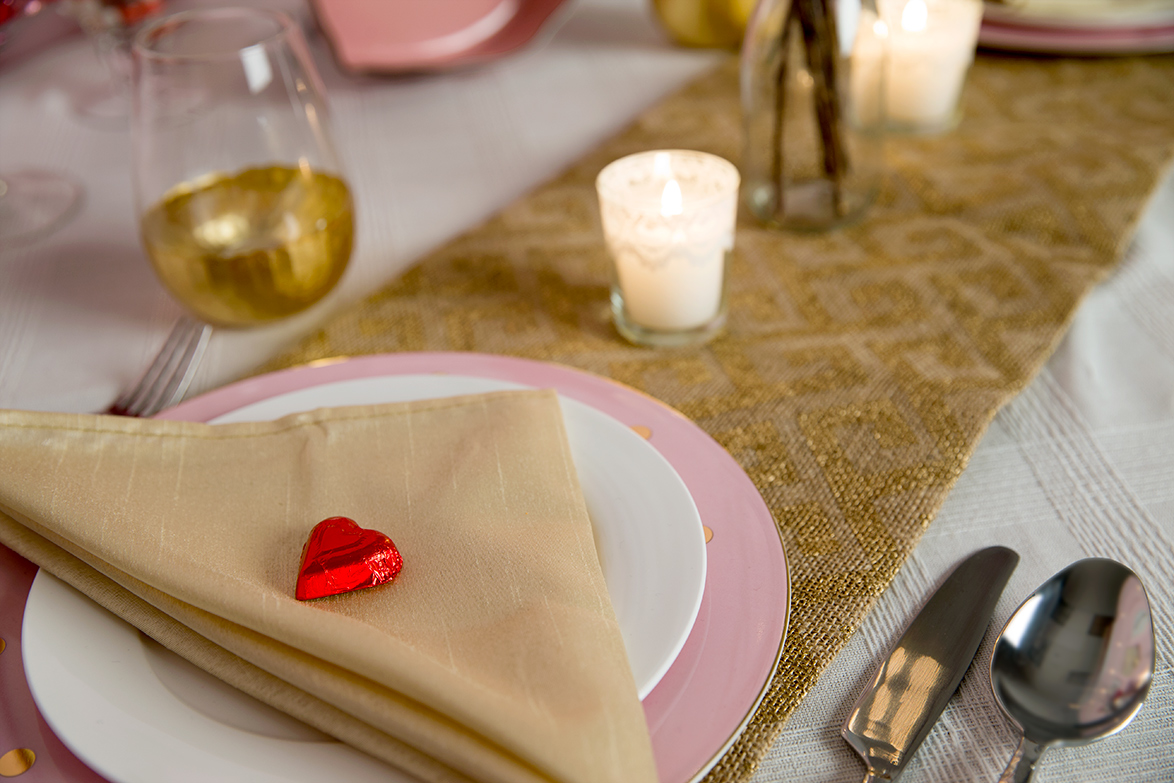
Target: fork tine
167,379
184,370
132,397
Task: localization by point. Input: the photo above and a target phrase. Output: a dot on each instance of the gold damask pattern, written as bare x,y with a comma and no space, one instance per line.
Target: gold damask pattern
859,368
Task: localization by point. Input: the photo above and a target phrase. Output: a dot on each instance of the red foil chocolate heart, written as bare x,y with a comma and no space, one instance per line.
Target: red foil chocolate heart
340,556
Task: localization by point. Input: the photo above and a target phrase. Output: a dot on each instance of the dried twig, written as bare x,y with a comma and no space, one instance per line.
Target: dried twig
817,22
776,159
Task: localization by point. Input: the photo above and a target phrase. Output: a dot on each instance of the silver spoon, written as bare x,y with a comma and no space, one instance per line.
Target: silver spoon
1075,661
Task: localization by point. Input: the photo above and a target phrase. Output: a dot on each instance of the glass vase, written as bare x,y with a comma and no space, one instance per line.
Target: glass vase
812,100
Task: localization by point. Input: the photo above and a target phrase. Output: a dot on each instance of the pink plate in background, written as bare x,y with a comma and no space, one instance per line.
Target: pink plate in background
1076,41
392,36
709,694
1086,30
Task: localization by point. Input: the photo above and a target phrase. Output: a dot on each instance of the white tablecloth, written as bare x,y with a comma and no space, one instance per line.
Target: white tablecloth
1076,466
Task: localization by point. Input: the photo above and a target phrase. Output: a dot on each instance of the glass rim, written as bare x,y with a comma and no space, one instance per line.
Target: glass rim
142,46
617,195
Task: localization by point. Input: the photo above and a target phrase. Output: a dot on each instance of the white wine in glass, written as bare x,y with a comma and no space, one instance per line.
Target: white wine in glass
244,212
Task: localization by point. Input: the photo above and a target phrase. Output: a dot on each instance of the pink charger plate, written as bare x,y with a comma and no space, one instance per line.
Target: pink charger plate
709,694
392,36
21,724
1077,41
1123,32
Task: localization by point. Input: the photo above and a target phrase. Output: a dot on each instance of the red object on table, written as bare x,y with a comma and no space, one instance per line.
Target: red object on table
340,556
10,9
135,11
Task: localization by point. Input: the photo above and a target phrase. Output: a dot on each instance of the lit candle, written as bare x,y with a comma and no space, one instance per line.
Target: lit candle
930,46
668,223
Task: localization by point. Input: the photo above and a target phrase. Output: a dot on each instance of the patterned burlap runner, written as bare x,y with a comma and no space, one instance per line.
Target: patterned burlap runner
859,368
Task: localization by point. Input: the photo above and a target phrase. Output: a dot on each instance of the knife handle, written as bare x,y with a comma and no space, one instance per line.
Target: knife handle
1022,763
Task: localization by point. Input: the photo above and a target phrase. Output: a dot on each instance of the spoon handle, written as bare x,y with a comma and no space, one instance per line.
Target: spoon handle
1022,763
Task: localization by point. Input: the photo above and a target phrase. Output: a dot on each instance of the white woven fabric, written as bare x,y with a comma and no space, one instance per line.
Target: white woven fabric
1076,466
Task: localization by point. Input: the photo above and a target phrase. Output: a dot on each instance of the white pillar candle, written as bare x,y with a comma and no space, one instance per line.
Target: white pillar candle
866,85
668,221
930,46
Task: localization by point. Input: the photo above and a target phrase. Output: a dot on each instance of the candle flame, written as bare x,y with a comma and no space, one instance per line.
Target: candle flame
915,16
880,28
670,199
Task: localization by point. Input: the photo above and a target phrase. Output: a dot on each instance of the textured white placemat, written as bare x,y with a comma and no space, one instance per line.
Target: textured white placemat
1078,465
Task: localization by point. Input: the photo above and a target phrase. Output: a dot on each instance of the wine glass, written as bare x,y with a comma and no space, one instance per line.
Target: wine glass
243,209
33,202
111,26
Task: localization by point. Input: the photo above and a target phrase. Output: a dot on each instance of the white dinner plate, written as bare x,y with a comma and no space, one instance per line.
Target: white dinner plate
129,708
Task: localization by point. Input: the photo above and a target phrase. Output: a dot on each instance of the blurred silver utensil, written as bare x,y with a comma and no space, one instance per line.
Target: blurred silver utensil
167,379
1075,661
910,689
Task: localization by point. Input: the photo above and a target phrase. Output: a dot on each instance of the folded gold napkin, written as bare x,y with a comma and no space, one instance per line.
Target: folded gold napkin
494,655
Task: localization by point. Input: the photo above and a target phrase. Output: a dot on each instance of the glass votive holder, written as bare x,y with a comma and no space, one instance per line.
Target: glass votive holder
929,46
668,223
813,115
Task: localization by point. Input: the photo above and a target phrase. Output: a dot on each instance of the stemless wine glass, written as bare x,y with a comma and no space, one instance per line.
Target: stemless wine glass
33,202
243,209
111,26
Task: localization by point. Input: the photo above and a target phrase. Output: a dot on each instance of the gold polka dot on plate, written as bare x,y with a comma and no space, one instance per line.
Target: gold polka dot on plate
2,645
642,431
708,533
16,762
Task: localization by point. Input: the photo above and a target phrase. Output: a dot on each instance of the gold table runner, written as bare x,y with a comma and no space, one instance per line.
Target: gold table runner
859,368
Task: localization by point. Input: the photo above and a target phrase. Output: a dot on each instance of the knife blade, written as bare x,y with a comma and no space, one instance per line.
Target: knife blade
911,687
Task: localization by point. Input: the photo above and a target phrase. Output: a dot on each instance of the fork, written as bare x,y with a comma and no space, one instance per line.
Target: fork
167,379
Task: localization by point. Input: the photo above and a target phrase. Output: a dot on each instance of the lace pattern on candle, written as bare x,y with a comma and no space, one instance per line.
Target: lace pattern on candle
653,240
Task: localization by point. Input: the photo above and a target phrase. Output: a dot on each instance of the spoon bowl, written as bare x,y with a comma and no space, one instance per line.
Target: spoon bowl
1075,661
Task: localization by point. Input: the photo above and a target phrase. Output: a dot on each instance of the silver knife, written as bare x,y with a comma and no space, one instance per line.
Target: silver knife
922,671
